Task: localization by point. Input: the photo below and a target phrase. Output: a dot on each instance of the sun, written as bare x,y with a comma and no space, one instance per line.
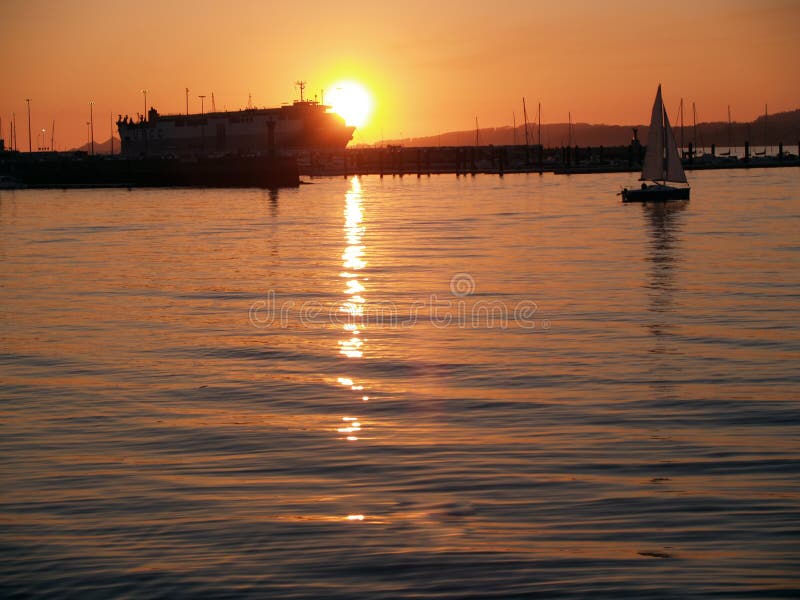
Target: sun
351,101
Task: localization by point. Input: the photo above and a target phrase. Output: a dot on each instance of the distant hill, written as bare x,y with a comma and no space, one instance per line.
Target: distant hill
100,147
780,127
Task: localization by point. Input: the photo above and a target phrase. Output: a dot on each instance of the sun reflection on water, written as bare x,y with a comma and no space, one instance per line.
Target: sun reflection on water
352,344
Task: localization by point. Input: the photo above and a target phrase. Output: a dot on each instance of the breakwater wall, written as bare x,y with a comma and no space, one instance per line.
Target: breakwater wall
76,169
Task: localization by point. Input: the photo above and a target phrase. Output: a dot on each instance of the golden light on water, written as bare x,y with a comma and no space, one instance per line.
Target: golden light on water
352,258
352,305
350,348
355,517
354,287
352,101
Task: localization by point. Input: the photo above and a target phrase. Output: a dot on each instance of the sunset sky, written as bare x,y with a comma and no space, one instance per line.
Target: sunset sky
430,66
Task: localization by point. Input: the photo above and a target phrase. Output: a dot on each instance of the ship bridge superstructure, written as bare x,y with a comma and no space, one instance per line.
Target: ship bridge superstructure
300,126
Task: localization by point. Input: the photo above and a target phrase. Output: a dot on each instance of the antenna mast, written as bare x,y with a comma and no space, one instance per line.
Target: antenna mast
213,104
302,85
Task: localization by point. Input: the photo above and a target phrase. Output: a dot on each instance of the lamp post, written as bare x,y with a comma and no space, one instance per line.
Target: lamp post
187,102
44,138
88,134
30,146
201,104
91,125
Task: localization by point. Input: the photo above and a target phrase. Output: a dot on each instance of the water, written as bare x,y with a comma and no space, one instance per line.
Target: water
402,388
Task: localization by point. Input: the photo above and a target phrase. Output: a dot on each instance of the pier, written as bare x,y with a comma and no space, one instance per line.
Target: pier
77,169
499,160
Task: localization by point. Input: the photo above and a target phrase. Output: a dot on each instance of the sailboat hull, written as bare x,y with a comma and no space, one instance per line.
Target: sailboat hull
655,193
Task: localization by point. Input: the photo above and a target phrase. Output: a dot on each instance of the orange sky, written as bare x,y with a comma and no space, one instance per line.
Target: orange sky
432,66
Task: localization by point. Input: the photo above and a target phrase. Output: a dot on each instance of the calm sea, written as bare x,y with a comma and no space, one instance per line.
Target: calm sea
444,387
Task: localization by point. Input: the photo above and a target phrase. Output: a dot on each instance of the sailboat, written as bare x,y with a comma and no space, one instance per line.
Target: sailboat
661,162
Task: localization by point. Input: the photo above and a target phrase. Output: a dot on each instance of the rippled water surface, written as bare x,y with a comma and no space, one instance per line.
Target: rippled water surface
402,388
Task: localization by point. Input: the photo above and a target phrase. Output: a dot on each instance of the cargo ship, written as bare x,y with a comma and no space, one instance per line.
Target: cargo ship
304,125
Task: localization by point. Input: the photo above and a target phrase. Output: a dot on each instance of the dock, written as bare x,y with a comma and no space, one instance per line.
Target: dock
78,169
499,160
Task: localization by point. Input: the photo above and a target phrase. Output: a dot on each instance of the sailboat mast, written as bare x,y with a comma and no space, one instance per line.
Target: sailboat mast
539,121
514,129
664,150
682,145
730,137
569,130
525,116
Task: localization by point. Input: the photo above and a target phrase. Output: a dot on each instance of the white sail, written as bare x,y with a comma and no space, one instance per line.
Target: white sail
674,167
653,167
